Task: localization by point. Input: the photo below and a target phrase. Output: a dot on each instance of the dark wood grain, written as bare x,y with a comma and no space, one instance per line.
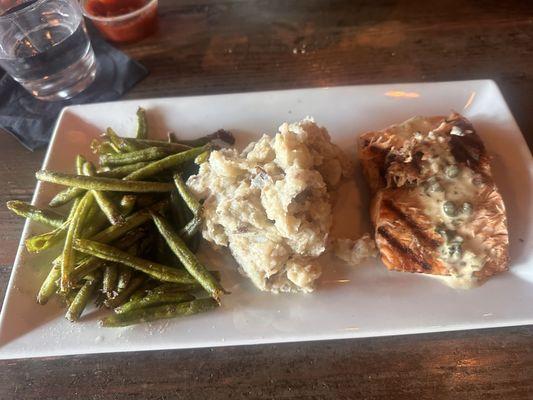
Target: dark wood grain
228,46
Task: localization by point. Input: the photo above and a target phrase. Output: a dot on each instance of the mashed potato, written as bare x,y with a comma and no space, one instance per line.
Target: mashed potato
270,204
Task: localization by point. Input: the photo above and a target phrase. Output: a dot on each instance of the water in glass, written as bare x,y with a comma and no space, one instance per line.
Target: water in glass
44,46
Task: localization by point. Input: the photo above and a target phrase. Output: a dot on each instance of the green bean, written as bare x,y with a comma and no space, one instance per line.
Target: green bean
105,147
126,293
178,210
121,143
160,312
187,258
68,194
65,196
221,134
136,219
107,206
148,154
122,171
167,288
126,273
80,160
189,199
73,232
194,242
109,280
49,286
127,204
89,264
138,294
46,217
145,143
189,230
38,243
165,163
99,183
142,124
153,269
147,199
124,277
203,157
154,299
81,300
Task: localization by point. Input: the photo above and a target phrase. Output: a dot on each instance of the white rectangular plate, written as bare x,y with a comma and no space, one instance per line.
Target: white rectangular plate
350,302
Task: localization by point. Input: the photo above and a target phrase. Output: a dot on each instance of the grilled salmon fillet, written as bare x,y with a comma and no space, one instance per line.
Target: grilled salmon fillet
435,207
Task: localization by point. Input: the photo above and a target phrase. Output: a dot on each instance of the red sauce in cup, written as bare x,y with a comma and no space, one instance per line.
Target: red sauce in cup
113,19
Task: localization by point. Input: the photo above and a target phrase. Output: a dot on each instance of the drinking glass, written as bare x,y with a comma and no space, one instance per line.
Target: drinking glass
45,47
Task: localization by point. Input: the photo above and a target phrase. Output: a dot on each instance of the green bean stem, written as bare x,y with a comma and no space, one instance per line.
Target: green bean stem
100,183
127,204
187,258
142,124
159,312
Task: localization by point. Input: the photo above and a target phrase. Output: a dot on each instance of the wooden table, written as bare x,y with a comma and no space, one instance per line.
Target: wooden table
209,46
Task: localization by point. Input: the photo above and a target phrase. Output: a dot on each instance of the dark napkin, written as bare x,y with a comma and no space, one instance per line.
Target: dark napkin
31,121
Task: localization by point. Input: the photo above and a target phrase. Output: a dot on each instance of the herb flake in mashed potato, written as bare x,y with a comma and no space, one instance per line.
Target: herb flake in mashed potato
270,205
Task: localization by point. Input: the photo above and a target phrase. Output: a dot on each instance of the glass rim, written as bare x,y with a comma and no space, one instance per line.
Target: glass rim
23,10
117,18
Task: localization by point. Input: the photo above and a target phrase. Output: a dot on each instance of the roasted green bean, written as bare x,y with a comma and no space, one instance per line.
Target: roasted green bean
126,293
49,286
122,171
120,143
46,217
145,143
189,199
107,205
153,269
127,204
153,300
187,258
81,300
202,158
221,134
159,312
67,265
100,183
109,279
148,154
89,264
142,124
66,195
165,163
